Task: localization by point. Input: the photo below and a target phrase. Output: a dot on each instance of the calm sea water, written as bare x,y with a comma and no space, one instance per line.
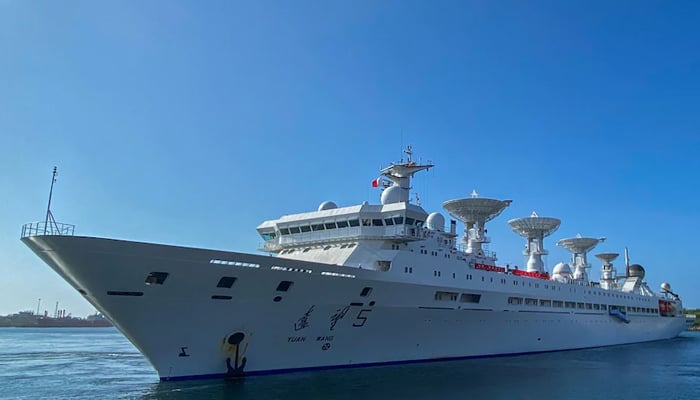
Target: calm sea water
96,363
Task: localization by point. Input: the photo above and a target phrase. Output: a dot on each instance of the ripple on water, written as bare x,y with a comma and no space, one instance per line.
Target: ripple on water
87,364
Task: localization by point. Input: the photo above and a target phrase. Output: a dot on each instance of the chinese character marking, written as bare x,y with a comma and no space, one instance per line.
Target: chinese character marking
340,313
303,322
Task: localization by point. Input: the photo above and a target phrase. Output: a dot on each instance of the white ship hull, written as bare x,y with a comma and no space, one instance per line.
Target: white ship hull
322,320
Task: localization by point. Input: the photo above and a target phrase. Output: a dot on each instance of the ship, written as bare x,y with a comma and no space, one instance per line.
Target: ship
357,286
29,319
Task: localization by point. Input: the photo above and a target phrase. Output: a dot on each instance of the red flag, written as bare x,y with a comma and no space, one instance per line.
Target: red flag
375,183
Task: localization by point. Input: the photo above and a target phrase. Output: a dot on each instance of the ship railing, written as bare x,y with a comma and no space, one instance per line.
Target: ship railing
51,228
486,253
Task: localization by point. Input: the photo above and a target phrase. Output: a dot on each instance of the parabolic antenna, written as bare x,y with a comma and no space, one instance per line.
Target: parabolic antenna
534,226
578,245
475,209
607,258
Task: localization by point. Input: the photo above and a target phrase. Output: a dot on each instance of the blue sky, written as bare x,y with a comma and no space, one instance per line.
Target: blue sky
192,122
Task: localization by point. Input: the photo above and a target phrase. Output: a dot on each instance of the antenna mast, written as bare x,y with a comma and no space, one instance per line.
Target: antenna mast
49,215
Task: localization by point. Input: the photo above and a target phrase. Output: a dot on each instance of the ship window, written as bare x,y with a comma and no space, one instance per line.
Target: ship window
398,220
383,265
351,245
366,222
317,227
470,298
515,300
330,225
579,305
378,222
546,303
156,278
305,228
284,286
445,296
268,236
354,222
294,229
366,291
570,304
226,282
284,231
218,297
419,223
603,307
558,303
410,221
388,221
589,306
531,302
596,306
342,224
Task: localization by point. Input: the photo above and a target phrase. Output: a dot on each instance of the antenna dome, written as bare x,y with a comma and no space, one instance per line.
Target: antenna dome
636,271
435,222
562,269
394,194
327,205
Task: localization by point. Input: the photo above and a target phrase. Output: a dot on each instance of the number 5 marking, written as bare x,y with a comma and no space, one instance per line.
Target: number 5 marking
360,320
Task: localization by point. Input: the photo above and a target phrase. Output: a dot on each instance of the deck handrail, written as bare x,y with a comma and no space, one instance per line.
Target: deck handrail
43,228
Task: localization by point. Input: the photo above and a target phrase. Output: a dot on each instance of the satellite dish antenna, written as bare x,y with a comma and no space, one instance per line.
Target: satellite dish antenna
474,212
579,248
535,228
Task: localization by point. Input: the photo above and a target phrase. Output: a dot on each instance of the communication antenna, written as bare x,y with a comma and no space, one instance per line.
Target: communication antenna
627,263
49,215
475,212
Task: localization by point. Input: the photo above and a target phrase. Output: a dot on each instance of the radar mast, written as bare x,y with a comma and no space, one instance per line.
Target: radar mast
400,175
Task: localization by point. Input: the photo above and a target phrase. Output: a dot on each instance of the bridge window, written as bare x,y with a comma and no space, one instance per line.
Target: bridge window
317,227
388,221
354,222
366,291
378,222
398,220
305,228
294,229
284,231
410,221
342,224
330,225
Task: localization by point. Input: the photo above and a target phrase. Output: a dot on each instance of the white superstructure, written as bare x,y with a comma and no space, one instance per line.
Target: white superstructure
351,286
